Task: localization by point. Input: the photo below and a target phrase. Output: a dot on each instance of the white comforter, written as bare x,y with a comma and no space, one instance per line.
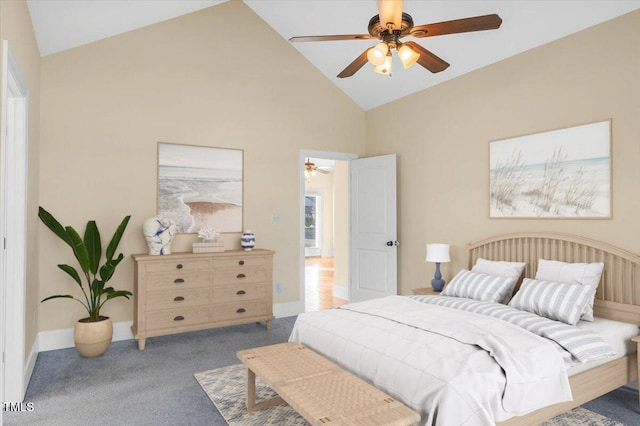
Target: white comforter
453,367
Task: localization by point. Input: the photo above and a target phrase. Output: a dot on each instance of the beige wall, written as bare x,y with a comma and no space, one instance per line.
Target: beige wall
106,105
15,26
443,158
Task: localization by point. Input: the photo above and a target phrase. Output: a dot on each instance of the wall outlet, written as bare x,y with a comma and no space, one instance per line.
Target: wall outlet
278,288
275,217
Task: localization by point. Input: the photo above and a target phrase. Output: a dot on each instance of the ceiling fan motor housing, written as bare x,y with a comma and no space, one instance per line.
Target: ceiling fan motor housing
379,30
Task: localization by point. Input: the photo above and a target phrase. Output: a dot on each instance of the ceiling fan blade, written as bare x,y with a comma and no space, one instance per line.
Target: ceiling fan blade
331,37
323,171
354,66
427,59
478,23
390,12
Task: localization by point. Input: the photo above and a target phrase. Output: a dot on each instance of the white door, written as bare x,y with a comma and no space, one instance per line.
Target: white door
373,228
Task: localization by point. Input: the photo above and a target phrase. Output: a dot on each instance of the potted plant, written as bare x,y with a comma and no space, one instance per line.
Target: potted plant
92,334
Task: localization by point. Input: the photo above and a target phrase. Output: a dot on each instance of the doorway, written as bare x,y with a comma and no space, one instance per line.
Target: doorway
324,222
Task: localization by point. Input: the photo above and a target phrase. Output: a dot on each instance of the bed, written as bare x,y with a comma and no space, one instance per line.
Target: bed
403,345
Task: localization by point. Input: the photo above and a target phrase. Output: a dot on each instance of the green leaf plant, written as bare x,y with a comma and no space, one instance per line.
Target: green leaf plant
88,253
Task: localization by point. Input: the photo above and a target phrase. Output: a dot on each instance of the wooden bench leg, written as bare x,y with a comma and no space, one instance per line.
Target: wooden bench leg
251,395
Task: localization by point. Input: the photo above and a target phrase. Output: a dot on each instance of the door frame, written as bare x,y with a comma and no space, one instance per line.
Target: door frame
13,226
304,154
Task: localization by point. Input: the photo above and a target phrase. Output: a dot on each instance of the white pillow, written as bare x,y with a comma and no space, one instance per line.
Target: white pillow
479,286
499,267
557,301
587,274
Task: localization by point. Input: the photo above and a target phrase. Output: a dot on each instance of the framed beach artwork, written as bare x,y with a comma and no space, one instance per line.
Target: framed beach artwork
200,187
563,173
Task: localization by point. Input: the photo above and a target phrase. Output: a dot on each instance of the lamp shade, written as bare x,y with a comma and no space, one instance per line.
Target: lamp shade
377,54
407,56
438,253
385,68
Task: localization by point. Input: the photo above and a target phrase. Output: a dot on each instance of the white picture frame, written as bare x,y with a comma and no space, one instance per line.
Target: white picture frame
200,186
563,173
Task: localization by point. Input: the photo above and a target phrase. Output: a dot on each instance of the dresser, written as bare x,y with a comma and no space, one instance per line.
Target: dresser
194,291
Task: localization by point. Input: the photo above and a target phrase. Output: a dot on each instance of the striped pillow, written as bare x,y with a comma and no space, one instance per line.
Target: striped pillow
479,286
557,301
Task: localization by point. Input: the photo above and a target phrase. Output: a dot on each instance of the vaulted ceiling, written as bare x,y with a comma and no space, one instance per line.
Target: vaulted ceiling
64,24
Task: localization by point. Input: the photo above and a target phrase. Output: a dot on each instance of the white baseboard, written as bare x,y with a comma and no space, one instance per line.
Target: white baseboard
281,310
341,292
62,339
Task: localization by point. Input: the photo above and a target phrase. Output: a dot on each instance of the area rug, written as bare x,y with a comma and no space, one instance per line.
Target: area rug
226,388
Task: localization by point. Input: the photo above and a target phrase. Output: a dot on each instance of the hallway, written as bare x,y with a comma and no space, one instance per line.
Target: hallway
319,276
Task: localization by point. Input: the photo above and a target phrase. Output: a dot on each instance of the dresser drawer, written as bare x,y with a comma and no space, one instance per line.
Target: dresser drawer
237,310
160,300
184,265
239,292
179,317
157,281
239,276
240,262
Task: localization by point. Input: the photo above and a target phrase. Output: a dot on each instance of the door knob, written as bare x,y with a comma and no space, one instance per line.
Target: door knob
393,243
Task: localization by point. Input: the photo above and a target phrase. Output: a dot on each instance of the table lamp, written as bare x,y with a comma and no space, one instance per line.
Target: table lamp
438,253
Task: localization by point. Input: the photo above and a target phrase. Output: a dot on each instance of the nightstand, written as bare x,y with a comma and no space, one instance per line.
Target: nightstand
425,290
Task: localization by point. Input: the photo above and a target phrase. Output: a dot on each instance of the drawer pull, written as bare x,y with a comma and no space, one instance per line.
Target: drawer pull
241,311
241,263
179,266
239,292
178,299
178,318
241,276
178,281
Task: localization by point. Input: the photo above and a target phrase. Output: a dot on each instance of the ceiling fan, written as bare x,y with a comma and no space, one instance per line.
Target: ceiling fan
310,169
390,25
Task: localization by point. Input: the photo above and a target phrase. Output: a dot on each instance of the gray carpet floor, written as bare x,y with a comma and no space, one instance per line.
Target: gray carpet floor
157,387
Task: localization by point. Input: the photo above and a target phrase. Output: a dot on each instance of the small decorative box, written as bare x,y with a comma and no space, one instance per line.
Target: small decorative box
208,247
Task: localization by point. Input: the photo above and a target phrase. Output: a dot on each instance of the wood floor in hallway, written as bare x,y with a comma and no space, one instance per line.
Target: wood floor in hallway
319,278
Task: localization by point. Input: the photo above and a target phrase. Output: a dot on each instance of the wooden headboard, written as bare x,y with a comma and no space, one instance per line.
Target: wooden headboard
618,294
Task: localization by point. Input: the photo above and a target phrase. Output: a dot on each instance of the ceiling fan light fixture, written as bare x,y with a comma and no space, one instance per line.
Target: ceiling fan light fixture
377,54
385,68
407,56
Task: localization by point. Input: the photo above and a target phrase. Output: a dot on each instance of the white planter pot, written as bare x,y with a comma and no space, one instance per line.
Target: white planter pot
93,338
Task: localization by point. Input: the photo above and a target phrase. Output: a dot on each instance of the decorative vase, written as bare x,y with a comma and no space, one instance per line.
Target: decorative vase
93,338
248,240
159,232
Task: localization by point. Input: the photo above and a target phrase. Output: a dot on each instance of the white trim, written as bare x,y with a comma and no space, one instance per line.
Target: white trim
341,292
282,310
13,199
52,340
61,339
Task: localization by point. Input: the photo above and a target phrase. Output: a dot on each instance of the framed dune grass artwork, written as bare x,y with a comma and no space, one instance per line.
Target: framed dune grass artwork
200,187
563,173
